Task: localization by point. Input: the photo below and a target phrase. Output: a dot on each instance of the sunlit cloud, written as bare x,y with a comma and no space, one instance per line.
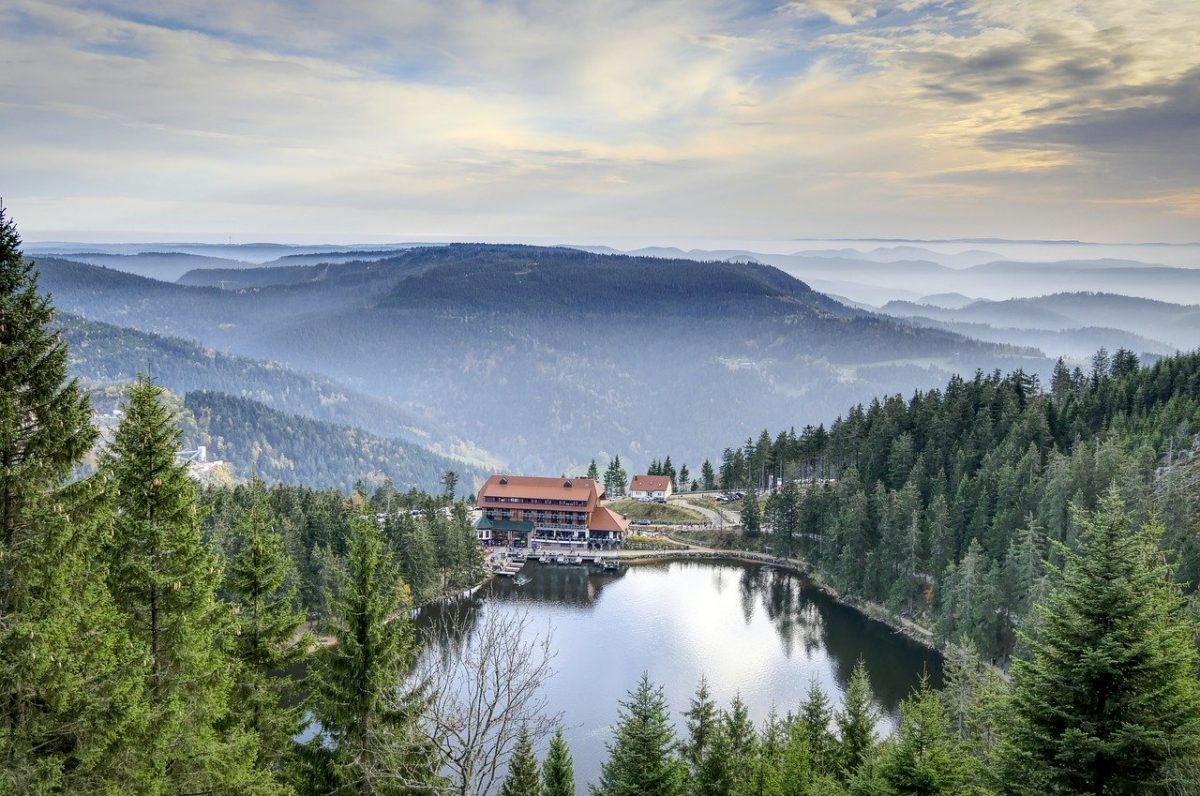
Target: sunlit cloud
667,119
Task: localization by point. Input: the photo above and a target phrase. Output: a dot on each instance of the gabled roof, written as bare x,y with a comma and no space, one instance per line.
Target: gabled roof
650,483
532,487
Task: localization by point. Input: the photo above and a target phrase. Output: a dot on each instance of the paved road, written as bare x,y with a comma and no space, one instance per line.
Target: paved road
719,519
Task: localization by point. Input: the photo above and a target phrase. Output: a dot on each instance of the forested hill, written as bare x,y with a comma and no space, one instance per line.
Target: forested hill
946,505
101,353
290,449
562,280
550,357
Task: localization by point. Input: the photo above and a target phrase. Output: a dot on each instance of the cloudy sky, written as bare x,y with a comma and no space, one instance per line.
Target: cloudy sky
597,121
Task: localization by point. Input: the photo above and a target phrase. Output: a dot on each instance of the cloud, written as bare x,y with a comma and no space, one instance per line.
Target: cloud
843,12
654,118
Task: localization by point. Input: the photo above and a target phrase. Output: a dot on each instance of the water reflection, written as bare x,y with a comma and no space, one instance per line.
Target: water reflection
749,629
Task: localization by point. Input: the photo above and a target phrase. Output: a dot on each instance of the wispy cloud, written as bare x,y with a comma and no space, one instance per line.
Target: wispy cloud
655,118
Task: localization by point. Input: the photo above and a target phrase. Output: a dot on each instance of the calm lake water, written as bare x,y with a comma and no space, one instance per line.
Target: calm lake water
749,629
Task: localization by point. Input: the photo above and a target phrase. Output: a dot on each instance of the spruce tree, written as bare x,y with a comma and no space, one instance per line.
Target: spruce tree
164,577
816,714
856,722
925,758
523,777
558,770
265,594
371,740
1106,700
717,774
701,717
751,515
796,769
70,680
641,760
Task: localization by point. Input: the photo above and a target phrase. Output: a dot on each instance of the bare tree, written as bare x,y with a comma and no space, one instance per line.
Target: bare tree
486,681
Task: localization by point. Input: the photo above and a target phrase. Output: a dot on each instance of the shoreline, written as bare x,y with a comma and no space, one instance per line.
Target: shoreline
917,633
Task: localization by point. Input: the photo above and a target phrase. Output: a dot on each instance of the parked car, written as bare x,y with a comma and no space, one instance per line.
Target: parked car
641,522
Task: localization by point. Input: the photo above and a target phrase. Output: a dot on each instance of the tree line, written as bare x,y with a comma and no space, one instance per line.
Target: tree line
952,507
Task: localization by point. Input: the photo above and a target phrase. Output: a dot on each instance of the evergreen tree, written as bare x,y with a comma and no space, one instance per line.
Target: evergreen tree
371,740
796,771
740,732
856,722
641,759
558,771
1107,700
751,515
449,484
816,714
70,678
707,476
593,472
925,757
164,577
701,717
262,582
717,773
523,778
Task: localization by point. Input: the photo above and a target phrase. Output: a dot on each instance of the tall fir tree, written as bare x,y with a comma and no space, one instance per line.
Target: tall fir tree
558,770
751,514
701,718
524,778
641,757
1107,699
262,584
164,578
371,741
816,714
856,722
925,758
70,677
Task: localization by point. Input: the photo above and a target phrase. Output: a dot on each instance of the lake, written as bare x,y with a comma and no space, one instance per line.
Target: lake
750,629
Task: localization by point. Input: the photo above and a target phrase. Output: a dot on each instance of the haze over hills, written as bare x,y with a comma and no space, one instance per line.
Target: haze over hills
1172,326
548,357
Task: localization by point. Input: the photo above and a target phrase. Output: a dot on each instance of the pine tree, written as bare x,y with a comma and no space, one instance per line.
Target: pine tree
523,778
371,740
641,760
707,476
856,722
701,717
262,582
70,678
558,771
593,472
925,757
816,714
740,732
751,515
1107,700
717,774
796,770
164,577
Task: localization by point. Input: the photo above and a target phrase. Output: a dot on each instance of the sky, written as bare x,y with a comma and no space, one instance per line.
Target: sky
669,121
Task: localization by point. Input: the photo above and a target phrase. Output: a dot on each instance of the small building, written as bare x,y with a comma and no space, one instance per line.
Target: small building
650,487
524,509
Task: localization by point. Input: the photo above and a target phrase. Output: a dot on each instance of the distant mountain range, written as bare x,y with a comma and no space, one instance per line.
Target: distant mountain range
545,357
1155,326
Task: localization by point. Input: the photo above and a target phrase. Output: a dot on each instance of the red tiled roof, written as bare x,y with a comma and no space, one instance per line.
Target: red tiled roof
605,519
530,487
650,483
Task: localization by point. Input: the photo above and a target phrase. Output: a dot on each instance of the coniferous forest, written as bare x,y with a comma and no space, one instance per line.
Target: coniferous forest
148,627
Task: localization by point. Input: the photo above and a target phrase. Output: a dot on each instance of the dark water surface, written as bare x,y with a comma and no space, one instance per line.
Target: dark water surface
749,629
